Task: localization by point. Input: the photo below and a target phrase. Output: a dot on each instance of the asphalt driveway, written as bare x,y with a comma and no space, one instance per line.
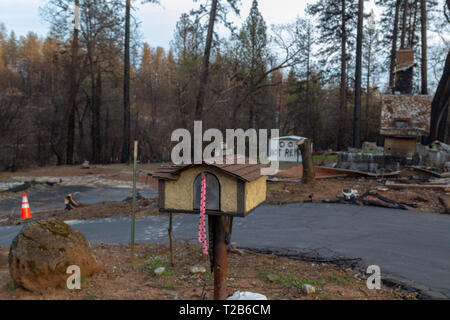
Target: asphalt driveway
412,246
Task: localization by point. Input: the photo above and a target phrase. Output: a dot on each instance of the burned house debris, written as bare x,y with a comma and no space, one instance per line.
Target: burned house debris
404,123
404,119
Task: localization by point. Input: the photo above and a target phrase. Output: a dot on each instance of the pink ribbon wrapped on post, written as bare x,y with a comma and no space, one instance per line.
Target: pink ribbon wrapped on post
201,225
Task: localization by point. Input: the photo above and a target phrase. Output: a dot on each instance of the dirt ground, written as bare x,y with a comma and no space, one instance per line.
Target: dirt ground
144,208
97,175
275,277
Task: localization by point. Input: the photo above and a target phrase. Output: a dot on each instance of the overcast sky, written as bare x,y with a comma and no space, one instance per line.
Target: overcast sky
157,21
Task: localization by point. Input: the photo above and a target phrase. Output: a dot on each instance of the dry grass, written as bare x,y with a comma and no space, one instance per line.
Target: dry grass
277,278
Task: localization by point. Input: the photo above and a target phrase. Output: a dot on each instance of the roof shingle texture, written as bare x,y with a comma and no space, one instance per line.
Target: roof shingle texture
243,171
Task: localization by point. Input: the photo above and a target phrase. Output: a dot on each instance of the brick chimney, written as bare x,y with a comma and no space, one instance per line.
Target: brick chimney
404,71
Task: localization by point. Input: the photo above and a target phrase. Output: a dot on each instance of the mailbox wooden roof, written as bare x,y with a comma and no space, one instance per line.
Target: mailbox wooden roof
245,172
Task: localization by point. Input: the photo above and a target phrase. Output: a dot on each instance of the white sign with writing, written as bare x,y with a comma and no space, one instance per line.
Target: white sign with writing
287,149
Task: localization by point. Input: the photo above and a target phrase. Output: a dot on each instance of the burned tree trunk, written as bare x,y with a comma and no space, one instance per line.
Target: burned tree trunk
343,84
366,116
423,19
357,109
95,110
205,66
70,135
307,161
394,44
126,90
73,91
441,100
439,105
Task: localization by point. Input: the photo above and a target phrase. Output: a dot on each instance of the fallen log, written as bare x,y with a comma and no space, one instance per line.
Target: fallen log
395,203
18,188
376,203
384,203
333,171
415,185
26,185
427,171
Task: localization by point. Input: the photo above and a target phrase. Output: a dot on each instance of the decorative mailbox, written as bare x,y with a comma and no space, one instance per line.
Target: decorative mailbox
221,191
231,189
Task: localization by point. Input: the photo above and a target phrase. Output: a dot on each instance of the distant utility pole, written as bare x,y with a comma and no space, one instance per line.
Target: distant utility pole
357,110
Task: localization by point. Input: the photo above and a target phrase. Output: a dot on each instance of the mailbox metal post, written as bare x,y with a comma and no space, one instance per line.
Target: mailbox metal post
133,210
220,257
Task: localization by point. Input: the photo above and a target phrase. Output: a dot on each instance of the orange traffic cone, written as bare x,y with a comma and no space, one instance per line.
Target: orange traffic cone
26,213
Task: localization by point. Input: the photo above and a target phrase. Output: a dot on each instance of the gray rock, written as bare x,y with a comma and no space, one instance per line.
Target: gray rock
197,269
272,277
247,296
43,250
159,271
85,165
308,289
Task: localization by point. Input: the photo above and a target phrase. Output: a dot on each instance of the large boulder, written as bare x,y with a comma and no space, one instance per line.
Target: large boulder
42,251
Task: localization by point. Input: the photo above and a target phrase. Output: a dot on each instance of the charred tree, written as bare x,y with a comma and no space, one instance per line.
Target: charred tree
439,105
73,91
307,161
70,137
343,84
126,89
205,64
423,65
394,44
96,121
441,100
357,108
336,18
